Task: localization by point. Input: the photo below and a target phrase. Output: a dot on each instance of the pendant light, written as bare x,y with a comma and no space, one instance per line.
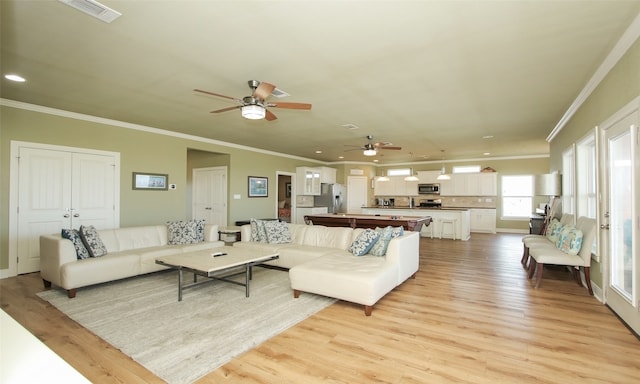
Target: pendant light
443,175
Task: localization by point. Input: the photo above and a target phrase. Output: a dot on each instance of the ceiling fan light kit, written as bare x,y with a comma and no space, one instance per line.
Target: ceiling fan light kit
254,107
253,112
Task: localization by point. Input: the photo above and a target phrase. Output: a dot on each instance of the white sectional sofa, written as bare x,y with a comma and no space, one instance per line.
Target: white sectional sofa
130,252
319,262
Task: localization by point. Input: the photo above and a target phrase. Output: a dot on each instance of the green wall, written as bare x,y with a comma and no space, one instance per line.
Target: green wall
142,151
618,88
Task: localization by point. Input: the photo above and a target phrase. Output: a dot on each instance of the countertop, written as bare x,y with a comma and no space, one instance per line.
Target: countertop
417,208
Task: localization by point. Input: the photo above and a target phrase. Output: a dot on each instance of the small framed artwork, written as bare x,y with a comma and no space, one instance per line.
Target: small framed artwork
287,189
258,186
150,181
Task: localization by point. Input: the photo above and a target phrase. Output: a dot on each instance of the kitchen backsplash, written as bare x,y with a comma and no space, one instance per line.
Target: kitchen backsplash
451,201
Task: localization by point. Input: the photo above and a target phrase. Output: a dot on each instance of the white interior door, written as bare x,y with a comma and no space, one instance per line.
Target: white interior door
210,195
61,189
93,193
44,201
620,217
356,193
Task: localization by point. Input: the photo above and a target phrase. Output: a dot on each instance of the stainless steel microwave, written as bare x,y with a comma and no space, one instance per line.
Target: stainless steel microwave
429,189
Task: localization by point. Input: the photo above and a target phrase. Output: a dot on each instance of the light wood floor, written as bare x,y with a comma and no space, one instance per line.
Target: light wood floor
470,316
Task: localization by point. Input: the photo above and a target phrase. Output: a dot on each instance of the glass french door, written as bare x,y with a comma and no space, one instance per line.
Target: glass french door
620,218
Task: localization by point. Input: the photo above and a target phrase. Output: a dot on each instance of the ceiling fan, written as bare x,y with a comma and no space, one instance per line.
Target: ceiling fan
254,107
371,149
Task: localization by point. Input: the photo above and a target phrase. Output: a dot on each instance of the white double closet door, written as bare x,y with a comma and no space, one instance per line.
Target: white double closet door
61,187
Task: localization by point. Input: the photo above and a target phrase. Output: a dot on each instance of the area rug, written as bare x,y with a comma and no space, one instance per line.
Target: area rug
183,341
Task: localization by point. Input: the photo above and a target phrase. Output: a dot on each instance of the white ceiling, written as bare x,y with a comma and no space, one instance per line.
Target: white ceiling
424,75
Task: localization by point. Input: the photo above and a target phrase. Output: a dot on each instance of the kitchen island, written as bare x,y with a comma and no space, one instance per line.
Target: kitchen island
409,222
462,229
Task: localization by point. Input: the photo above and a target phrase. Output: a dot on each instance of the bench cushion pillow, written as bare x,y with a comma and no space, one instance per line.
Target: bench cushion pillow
570,240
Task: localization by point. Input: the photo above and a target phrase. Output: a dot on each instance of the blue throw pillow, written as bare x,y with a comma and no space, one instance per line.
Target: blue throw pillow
380,247
363,243
74,236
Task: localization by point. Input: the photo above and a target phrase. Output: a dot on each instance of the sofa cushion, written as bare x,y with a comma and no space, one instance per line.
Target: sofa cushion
277,232
74,236
92,241
363,243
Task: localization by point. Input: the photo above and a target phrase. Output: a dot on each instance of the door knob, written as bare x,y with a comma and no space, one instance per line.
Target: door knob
604,226
76,215
66,216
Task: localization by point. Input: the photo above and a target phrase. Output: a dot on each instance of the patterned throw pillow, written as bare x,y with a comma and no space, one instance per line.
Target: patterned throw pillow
91,240
363,243
553,230
74,236
277,232
570,240
380,247
185,232
397,232
258,233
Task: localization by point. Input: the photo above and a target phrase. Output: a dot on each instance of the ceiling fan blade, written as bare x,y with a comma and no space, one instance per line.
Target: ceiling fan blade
290,105
269,116
226,109
383,147
263,91
219,95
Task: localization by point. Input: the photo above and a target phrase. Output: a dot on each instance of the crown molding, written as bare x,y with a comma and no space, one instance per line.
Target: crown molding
622,46
122,124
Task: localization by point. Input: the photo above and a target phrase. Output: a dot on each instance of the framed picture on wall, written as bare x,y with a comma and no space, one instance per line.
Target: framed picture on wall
150,181
287,189
258,186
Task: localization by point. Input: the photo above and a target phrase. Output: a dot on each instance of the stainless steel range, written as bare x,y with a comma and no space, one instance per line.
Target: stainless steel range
431,203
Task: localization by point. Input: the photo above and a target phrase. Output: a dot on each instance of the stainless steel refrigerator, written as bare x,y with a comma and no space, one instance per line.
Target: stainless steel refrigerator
332,196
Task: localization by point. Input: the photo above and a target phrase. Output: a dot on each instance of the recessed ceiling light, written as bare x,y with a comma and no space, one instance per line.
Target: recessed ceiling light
487,137
487,153
318,151
14,77
340,157
350,126
375,161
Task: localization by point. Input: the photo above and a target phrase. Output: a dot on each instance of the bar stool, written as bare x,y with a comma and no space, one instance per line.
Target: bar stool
452,222
430,228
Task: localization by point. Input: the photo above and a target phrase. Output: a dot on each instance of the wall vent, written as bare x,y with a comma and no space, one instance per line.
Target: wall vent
93,8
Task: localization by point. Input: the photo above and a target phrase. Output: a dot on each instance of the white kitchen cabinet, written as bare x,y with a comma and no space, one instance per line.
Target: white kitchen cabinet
470,184
428,177
301,212
456,186
395,186
308,181
327,175
482,220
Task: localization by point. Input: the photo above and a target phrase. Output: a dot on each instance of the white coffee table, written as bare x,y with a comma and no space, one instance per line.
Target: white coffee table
204,263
